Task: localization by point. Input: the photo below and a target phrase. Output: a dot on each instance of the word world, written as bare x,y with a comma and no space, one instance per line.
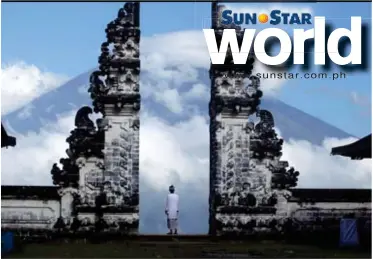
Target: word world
317,34
277,17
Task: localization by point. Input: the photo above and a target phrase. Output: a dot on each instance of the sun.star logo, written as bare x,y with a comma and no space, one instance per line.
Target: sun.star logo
275,17
288,45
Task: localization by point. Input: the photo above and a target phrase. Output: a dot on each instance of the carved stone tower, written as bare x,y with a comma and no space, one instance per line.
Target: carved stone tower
117,97
104,170
244,157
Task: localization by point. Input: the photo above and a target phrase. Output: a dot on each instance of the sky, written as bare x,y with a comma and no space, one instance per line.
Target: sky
44,45
37,34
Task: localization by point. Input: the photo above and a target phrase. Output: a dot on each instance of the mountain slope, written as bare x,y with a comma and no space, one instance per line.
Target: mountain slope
292,122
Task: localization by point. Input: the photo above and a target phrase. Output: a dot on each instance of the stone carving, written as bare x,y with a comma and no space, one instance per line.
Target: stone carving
122,164
91,182
250,187
115,93
68,176
117,80
84,141
248,181
103,160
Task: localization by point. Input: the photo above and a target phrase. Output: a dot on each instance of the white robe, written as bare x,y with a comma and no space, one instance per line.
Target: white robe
172,205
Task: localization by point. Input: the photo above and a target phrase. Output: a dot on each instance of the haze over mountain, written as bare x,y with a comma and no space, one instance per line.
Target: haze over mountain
292,122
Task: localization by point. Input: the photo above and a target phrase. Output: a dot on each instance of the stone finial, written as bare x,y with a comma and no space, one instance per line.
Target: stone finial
117,80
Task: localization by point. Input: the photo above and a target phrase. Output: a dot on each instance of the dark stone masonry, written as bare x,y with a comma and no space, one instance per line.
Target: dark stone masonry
247,177
251,189
6,140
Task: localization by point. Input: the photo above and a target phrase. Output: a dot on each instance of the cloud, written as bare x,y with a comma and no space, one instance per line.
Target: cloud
36,152
160,141
166,80
176,154
180,149
174,61
26,112
170,152
184,48
171,99
198,91
21,83
318,169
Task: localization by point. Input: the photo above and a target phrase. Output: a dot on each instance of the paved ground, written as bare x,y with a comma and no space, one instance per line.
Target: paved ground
169,247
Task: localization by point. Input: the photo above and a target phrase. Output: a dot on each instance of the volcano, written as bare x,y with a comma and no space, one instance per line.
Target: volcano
292,123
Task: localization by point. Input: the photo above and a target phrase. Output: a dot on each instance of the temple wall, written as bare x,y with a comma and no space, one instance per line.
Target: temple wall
29,214
295,206
303,217
41,214
320,222
251,189
308,214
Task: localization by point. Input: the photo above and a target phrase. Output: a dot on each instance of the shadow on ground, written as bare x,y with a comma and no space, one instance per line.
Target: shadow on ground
174,247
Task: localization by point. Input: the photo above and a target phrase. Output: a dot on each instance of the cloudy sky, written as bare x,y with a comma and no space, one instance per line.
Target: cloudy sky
47,48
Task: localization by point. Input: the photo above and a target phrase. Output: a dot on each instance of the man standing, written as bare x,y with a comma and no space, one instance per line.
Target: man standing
172,210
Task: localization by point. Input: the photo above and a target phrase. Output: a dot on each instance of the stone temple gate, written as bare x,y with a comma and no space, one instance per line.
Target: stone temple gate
97,187
247,178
